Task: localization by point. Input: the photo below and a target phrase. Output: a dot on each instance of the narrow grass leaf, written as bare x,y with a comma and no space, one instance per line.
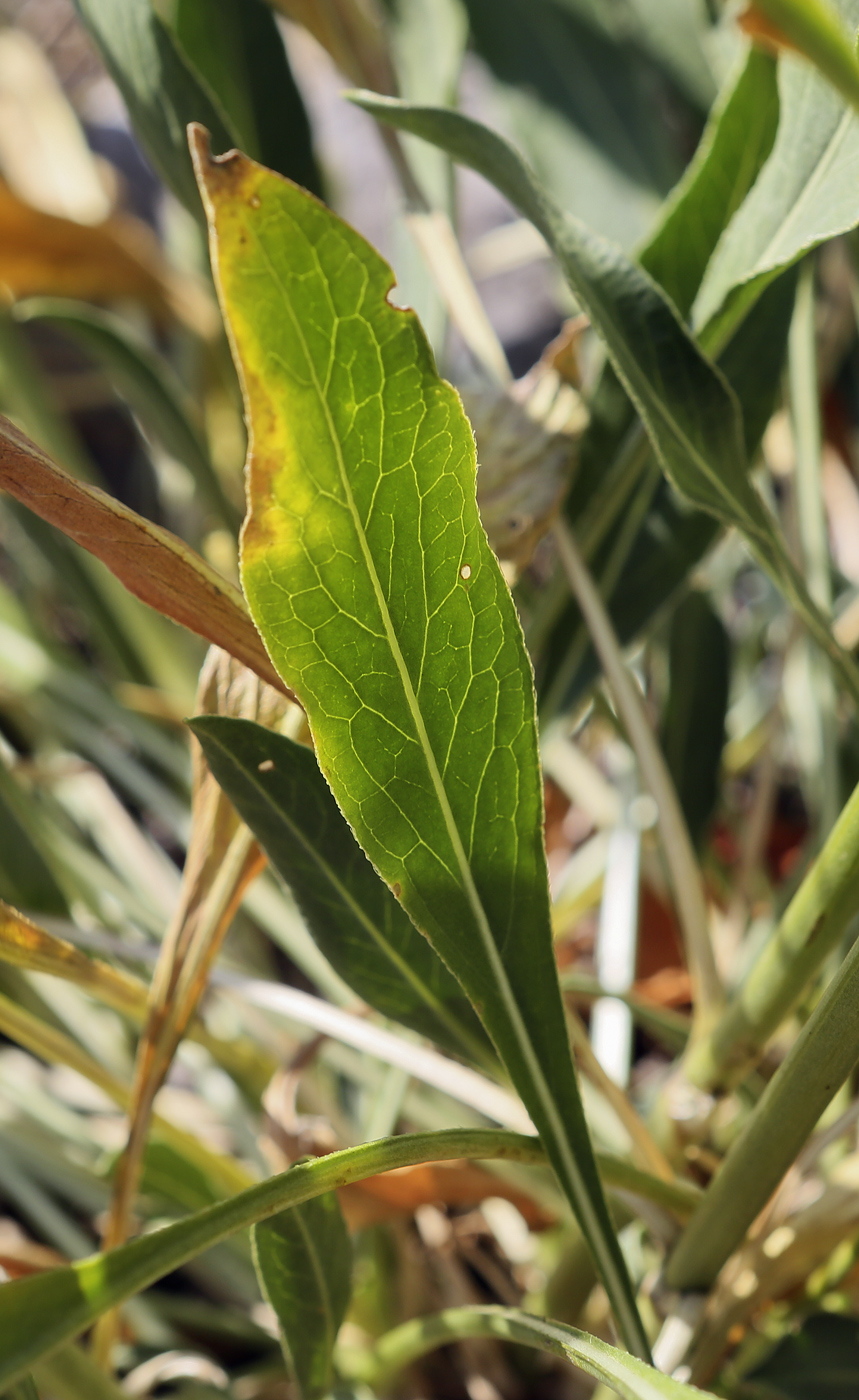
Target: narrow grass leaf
238,50
370,578
737,140
303,1259
40,1313
691,414
361,928
807,192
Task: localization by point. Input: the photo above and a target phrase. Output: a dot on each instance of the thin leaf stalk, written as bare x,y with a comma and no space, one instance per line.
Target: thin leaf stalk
803,1086
808,931
812,528
676,842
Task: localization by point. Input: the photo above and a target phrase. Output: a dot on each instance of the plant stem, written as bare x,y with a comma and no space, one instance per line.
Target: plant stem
41,1312
792,1103
813,537
809,929
676,842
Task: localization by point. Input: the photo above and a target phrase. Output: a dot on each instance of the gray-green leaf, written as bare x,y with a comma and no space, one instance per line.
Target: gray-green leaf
159,88
808,191
303,1259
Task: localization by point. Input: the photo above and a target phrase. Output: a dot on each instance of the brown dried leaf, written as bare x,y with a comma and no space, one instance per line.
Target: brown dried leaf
153,564
461,1184
119,259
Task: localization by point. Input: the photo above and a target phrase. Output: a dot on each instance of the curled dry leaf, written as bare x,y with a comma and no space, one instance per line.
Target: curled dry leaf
153,564
527,443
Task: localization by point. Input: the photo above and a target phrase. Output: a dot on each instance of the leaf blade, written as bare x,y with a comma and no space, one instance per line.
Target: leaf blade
628,1377
303,1258
805,193
409,659
41,1312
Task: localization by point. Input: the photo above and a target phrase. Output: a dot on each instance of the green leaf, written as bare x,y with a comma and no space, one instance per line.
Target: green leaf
40,1313
628,1377
738,139
693,729
237,49
690,413
808,932
807,192
159,88
371,581
72,1374
363,931
144,379
303,1260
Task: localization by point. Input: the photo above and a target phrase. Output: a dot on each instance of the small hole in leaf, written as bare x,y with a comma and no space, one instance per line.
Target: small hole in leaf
267,766
465,571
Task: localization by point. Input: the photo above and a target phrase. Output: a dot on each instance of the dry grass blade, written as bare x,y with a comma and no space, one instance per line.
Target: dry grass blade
153,564
24,944
222,860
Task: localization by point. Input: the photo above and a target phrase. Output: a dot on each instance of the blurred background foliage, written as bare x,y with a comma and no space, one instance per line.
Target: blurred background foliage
112,357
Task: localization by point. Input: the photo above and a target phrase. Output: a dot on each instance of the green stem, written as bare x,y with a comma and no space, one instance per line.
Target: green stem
42,1312
676,842
792,1103
813,538
808,931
